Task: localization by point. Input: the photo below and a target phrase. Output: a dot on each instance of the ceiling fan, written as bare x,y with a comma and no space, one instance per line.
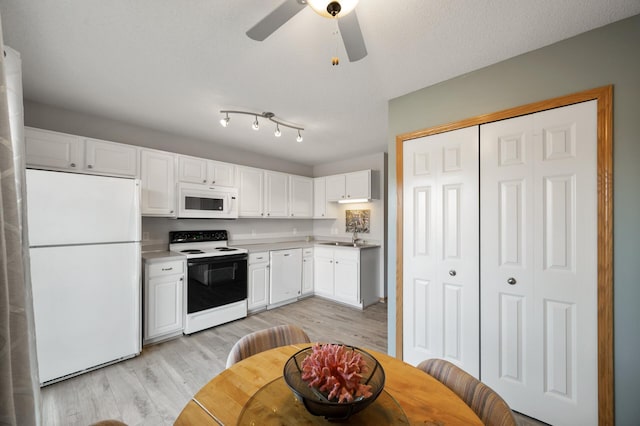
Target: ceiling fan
340,10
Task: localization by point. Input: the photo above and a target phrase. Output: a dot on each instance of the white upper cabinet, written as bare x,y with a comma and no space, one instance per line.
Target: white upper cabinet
219,173
301,196
110,158
53,150
157,170
201,170
335,187
349,186
192,169
321,208
59,151
251,191
276,194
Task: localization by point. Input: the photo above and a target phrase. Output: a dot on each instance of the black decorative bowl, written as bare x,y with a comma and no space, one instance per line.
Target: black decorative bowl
316,402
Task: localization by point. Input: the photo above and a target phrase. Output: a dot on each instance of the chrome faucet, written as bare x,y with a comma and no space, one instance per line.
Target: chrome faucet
354,238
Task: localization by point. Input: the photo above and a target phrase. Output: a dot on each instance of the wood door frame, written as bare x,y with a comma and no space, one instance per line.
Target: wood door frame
604,97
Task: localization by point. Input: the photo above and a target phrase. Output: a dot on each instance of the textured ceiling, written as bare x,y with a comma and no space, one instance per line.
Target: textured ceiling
172,65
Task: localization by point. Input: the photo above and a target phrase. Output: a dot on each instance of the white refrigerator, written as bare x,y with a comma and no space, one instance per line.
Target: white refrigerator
84,239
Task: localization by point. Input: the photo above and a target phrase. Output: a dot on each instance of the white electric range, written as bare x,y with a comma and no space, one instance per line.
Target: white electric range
216,290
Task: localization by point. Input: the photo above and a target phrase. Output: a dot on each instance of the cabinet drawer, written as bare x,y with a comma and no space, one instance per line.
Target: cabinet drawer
166,268
261,257
307,251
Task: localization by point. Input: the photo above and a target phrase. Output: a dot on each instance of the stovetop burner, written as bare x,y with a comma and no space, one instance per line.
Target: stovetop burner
192,251
226,249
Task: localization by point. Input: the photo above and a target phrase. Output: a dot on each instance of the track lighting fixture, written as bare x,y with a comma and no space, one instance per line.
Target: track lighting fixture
225,121
256,126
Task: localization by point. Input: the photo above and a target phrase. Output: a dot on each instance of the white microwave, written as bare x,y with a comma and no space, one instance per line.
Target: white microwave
207,202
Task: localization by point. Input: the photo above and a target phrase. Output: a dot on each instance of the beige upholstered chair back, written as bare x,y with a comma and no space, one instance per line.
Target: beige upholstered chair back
263,340
484,401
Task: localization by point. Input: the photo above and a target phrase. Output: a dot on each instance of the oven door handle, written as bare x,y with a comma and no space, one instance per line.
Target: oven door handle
217,259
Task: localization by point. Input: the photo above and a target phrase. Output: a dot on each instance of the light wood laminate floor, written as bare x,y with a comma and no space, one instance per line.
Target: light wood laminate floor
152,389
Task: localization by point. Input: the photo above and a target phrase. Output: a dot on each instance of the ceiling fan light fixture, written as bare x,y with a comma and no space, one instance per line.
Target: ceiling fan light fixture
332,9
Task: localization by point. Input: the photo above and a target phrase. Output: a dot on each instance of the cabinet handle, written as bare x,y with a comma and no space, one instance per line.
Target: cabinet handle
452,273
261,214
291,214
511,281
213,181
336,262
89,166
348,196
181,279
72,164
268,214
167,269
287,254
204,181
171,211
259,258
331,261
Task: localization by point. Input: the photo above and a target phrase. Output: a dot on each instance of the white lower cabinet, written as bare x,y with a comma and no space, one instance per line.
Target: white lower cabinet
258,281
163,299
307,271
346,275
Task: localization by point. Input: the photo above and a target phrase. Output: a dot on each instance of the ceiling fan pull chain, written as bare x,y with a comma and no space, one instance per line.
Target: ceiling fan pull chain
335,60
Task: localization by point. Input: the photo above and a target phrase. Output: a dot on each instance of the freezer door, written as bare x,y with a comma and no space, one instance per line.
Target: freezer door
71,208
86,302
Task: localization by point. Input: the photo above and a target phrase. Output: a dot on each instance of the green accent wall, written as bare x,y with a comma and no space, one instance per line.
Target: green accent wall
607,55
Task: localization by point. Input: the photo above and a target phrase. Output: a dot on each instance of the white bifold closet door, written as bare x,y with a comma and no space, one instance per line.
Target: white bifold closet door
539,263
440,249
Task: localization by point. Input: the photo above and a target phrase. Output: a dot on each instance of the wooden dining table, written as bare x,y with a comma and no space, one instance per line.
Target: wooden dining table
253,392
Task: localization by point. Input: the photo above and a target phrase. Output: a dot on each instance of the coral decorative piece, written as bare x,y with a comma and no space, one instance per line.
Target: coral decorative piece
336,370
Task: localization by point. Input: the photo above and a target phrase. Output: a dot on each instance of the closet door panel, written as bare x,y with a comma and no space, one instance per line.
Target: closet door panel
539,277
441,249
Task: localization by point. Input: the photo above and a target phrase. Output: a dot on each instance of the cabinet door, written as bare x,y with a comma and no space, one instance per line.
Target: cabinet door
192,169
53,150
164,305
157,171
323,272
335,187
347,276
307,275
111,158
301,200
223,174
258,284
251,191
358,184
276,194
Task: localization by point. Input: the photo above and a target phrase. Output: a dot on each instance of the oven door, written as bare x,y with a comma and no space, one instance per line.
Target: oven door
203,201
216,281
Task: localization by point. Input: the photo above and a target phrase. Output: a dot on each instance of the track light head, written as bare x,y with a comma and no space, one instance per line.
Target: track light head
224,122
299,138
277,133
256,125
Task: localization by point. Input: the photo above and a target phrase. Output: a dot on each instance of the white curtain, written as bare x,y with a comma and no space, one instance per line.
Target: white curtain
19,383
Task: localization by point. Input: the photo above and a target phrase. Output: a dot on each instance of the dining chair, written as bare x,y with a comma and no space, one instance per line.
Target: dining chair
263,340
484,401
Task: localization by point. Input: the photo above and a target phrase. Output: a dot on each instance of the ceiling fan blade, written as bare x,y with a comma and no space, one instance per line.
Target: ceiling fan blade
275,19
352,37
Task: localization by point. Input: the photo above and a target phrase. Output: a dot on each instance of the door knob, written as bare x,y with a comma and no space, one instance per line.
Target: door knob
452,273
511,281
